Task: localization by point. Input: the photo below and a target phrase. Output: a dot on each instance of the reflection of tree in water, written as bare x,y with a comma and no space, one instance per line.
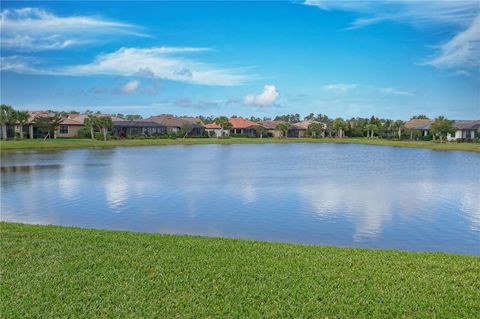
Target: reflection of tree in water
28,168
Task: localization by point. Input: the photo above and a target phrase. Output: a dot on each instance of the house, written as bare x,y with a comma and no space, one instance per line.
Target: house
300,129
69,127
245,127
421,126
271,127
174,124
466,129
216,130
138,128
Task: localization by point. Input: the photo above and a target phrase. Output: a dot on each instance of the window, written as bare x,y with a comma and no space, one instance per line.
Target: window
63,129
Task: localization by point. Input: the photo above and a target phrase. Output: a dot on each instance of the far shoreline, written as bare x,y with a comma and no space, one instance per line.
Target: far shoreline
69,143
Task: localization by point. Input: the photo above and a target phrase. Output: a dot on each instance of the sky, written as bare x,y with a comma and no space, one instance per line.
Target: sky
345,59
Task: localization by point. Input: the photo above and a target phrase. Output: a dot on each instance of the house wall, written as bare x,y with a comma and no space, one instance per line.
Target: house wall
462,134
218,132
275,133
73,131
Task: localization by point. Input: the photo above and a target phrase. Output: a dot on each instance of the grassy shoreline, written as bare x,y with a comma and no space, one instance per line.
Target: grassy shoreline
50,271
60,144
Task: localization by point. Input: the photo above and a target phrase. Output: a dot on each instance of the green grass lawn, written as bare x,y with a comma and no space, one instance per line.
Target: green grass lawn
58,272
81,143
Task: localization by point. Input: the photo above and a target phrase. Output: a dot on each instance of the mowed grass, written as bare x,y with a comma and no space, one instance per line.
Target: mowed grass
57,272
55,144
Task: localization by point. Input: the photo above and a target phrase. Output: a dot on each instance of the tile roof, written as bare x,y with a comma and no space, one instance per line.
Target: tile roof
270,125
304,124
175,121
137,123
238,123
212,126
467,124
419,124
68,121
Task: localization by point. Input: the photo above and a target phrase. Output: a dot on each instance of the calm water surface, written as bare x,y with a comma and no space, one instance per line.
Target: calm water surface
328,194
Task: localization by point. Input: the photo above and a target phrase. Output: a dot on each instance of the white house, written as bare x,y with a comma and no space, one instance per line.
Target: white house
465,129
217,130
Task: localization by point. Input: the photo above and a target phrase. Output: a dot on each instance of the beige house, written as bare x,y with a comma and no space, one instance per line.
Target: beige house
300,129
271,127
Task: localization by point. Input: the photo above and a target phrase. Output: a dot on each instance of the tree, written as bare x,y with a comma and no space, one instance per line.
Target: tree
371,129
310,116
48,123
420,117
133,117
339,125
8,117
398,126
284,126
441,127
104,123
224,123
91,122
22,119
315,129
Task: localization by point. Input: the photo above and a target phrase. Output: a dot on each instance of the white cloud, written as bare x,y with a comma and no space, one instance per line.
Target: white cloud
459,18
157,62
462,50
33,29
266,98
340,87
395,91
131,87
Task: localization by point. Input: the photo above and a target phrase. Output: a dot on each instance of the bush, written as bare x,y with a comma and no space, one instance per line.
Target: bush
84,133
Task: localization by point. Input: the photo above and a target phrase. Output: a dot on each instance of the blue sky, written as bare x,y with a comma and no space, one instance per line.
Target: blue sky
345,58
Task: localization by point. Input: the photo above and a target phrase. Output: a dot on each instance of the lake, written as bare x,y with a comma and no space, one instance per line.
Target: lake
326,194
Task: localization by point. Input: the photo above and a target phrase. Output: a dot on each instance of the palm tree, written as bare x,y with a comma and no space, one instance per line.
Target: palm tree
284,126
315,129
339,125
91,122
371,129
22,119
399,125
8,117
104,123
224,124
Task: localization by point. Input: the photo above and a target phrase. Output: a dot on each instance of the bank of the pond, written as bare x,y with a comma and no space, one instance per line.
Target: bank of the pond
49,271
56,144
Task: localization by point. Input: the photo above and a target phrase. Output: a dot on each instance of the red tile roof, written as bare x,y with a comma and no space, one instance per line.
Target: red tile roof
239,123
212,126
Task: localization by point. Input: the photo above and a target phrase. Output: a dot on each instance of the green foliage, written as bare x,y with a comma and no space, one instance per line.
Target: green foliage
8,116
48,123
419,117
223,122
289,118
133,117
284,127
441,127
315,130
59,272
